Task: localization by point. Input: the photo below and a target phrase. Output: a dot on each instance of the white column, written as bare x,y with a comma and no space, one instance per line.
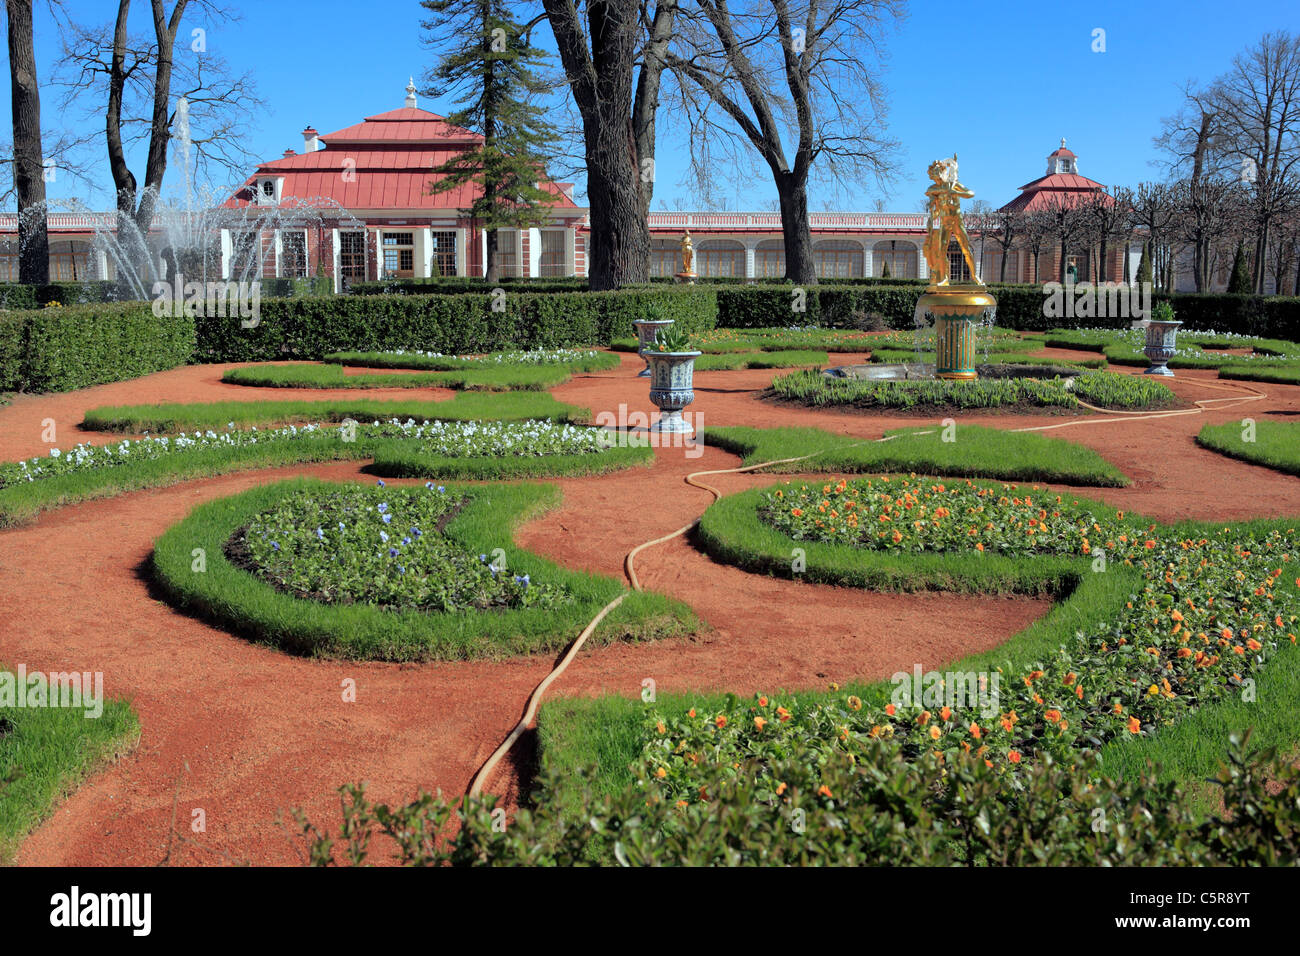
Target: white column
534,252
379,253
226,253
462,257
482,251
868,266
750,244
570,252
334,255
922,267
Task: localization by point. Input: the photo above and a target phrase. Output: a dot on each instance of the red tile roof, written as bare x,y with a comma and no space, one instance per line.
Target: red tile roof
1058,187
386,161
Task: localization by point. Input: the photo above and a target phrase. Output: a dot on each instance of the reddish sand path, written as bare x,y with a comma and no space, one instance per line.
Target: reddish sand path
261,732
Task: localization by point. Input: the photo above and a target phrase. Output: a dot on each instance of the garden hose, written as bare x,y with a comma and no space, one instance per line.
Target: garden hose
534,701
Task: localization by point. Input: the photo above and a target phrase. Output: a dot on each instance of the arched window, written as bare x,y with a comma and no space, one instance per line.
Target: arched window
899,255
958,271
838,259
769,259
665,257
720,257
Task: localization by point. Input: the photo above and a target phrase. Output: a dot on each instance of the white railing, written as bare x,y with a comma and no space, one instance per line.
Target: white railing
767,221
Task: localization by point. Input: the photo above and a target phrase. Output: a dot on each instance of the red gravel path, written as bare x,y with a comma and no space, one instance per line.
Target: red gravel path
244,732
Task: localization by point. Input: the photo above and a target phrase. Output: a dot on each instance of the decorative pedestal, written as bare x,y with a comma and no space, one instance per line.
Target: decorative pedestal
957,310
672,381
646,330
687,278
1159,346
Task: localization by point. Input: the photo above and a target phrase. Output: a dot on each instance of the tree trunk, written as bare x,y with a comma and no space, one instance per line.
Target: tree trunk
792,192
493,271
1261,252
1103,271
160,128
601,82
29,164
645,106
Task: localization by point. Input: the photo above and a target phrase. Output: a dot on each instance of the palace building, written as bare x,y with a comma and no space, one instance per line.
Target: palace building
367,213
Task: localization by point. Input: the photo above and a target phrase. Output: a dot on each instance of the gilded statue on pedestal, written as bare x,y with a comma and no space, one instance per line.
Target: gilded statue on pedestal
944,224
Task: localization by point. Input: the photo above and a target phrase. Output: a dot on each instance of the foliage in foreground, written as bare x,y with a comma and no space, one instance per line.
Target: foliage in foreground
882,809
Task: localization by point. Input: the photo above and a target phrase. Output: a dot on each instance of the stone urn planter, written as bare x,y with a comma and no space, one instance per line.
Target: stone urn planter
646,330
1162,333
672,388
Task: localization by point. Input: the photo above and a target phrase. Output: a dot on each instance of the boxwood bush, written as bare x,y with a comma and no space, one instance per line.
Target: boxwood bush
60,349
313,327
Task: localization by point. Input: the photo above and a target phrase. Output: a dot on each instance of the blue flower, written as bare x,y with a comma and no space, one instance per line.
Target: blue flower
320,534
380,483
442,489
482,557
340,525
388,519
382,507
401,569
416,531
522,579
275,545
429,485
406,540
383,536
393,552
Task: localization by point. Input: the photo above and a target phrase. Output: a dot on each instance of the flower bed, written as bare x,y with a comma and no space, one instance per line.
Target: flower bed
583,359
381,546
1205,614
464,590
1196,349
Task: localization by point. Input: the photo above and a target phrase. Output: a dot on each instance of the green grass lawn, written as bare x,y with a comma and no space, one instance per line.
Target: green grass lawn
1252,372
239,600
506,378
168,417
45,753
791,358
1272,444
975,451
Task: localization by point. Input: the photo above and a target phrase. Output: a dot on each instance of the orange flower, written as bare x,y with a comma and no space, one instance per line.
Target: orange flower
1014,756
780,789
824,790
923,717
762,702
797,512
855,703
721,721
661,773
890,709
783,714
945,713
1052,716
935,733
759,723
660,727
691,712
979,546
1134,725
975,731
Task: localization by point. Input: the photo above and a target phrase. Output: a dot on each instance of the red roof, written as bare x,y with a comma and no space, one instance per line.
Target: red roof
1058,187
384,162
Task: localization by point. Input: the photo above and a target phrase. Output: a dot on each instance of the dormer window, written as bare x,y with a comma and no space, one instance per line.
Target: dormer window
268,189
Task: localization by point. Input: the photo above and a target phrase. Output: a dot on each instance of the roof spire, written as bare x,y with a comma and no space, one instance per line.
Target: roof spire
1062,142
410,94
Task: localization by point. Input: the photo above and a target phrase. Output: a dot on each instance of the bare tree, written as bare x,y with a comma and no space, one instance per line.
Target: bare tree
1035,228
599,54
1104,222
1007,226
1258,104
805,69
29,162
1193,139
1068,225
1153,208
1205,212
135,83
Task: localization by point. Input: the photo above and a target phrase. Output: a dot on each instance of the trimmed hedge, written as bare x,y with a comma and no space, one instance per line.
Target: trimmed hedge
1020,307
462,285
15,296
60,349
311,328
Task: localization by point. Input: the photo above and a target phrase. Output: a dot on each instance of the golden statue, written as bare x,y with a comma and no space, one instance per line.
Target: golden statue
688,255
945,223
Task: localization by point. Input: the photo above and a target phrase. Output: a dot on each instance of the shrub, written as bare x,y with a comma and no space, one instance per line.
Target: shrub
59,349
311,328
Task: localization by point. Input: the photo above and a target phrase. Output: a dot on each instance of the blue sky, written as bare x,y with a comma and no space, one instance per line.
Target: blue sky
998,83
